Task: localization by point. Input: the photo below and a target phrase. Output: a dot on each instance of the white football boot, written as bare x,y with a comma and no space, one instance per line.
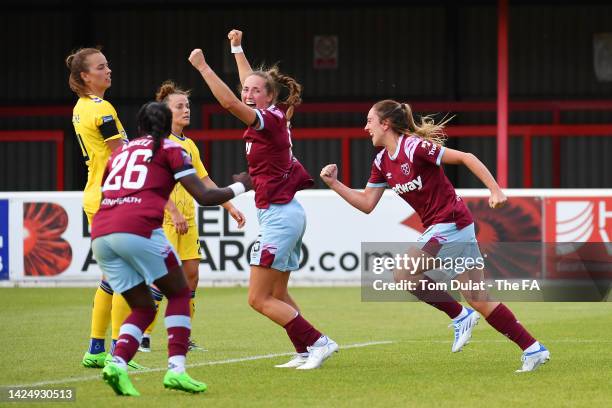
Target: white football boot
317,354
463,329
297,360
533,360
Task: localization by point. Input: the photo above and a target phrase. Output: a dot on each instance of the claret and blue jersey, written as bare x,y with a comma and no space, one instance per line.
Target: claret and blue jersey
276,173
414,172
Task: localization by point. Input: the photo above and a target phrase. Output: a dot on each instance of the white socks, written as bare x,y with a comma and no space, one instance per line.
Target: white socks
463,313
534,347
176,364
119,362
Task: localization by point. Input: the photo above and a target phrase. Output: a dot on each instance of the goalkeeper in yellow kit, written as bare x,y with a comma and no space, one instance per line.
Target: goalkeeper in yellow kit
99,132
179,219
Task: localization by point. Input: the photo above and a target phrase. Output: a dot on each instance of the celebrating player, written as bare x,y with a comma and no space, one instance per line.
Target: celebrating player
179,219
99,132
132,250
277,175
411,156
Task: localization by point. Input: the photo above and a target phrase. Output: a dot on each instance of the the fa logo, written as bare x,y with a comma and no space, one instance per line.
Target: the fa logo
405,169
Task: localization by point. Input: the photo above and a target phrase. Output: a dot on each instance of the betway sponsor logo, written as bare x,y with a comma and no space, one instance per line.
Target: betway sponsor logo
415,184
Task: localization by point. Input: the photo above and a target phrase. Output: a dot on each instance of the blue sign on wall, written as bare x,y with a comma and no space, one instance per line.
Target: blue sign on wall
4,240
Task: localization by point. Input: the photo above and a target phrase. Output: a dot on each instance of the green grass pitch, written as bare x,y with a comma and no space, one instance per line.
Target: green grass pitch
45,332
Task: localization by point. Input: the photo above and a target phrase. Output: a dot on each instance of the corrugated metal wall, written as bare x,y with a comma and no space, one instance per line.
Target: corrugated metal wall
27,166
442,51
160,41
34,45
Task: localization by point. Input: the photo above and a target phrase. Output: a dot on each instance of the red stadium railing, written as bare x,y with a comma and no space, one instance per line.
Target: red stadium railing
555,107
346,134
55,136
556,130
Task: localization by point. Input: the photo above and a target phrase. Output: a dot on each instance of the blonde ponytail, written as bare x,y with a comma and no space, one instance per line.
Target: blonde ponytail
402,121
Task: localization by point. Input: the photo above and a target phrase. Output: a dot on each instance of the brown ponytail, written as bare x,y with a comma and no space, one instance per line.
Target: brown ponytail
168,88
77,63
274,80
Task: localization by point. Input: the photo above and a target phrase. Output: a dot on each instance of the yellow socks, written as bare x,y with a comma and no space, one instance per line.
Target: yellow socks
101,312
119,312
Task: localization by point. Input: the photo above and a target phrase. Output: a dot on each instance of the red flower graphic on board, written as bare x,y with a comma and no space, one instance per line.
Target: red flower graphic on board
45,252
510,235
520,220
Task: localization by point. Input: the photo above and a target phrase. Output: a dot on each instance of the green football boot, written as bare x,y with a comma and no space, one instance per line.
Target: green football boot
94,360
183,382
118,380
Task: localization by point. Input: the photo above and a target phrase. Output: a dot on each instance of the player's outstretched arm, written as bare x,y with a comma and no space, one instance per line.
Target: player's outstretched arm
215,196
235,213
244,68
220,90
364,201
451,156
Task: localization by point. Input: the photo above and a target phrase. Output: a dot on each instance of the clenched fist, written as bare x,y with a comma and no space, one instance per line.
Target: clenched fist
235,37
497,199
197,59
329,174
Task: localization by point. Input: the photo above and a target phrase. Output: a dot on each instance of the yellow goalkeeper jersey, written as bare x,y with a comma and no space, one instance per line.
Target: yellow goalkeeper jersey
181,198
95,121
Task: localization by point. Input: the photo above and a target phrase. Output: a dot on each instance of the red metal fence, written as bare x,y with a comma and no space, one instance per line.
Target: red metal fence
556,130
346,134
